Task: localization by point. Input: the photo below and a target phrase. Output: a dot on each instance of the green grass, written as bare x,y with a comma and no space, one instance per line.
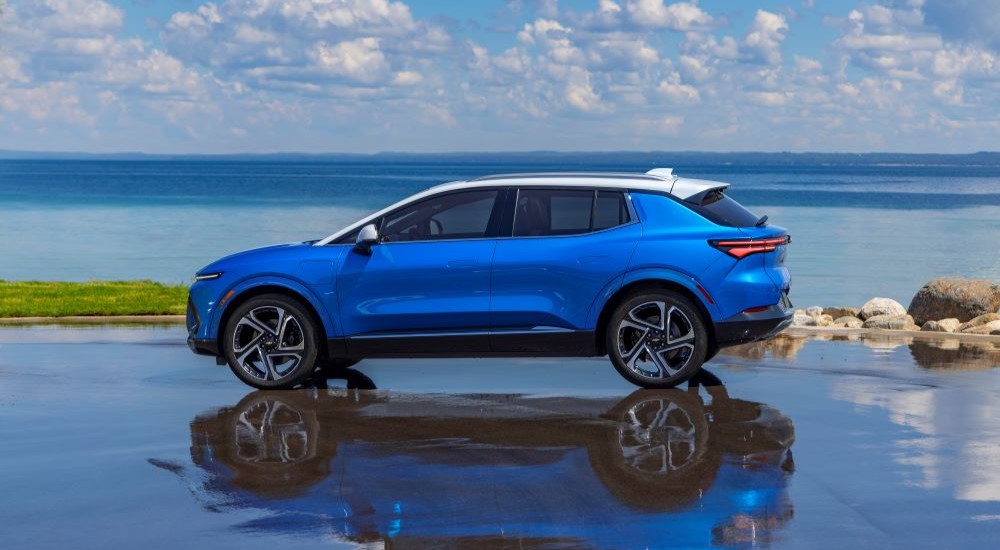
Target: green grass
58,299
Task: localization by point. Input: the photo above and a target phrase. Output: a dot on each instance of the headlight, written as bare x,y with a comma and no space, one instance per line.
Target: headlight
207,276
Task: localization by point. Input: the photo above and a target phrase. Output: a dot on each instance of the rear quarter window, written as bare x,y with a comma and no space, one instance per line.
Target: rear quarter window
723,210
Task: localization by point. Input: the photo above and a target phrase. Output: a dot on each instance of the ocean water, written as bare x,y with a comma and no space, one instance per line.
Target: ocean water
858,231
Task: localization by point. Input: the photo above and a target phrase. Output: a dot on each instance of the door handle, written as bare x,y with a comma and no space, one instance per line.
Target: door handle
462,263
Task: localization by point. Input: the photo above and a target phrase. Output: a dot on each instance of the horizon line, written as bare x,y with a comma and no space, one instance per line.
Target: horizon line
9,153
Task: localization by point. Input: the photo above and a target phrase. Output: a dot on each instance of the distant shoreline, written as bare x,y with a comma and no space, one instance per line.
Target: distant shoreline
736,158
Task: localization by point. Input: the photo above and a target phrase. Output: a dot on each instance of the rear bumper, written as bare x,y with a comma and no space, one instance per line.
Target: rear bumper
752,327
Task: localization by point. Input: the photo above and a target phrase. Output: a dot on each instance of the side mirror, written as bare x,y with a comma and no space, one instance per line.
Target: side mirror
366,238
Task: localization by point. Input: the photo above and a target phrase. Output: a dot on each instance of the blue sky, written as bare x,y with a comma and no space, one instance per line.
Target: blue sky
188,76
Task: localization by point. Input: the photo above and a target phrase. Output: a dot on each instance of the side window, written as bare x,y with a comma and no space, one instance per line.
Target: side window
464,215
567,211
610,210
552,212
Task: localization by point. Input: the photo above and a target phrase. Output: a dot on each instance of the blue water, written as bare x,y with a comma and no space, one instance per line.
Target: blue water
858,231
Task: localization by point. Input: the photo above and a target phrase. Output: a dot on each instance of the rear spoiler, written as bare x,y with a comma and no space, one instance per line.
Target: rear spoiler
694,191
688,189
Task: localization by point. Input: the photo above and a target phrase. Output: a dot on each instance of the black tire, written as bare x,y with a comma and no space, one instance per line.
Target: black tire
656,339
271,342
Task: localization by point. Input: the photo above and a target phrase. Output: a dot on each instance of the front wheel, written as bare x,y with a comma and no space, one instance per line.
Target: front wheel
271,342
657,339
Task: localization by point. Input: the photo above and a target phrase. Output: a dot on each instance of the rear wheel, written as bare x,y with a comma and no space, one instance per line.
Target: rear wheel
657,339
271,342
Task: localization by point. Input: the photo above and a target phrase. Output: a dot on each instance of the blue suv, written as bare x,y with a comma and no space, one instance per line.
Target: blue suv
656,271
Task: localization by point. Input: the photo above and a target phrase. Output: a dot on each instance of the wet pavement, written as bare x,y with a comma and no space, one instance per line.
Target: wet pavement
120,437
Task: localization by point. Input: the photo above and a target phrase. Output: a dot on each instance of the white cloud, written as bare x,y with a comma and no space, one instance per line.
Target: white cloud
770,99
676,91
763,43
807,63
71,17
680,16
281,45
581,95
361,60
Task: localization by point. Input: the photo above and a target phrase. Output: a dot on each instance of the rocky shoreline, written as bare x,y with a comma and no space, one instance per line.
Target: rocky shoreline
945,304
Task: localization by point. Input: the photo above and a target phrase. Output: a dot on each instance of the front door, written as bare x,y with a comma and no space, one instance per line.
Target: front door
425,287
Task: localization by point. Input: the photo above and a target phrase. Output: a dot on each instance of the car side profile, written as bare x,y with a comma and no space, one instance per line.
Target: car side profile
656,271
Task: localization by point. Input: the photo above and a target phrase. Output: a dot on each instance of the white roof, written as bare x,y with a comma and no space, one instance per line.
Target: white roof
657,179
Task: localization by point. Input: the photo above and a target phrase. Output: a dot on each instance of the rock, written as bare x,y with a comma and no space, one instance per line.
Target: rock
956,297
803,320
881,306
988,328
944,325
814,311
848,321
978,321
891,322
823,320
838,312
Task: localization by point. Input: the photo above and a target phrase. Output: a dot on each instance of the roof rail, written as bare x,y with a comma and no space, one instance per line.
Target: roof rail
606,175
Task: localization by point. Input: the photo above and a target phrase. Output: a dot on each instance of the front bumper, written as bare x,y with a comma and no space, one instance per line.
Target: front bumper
752,327
203,346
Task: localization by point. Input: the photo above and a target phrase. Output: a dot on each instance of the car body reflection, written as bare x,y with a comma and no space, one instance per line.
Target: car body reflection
657,468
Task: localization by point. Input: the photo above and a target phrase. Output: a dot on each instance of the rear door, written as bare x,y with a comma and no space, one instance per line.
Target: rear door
567,246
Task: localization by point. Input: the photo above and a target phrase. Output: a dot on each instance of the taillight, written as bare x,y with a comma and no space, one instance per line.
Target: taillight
741,248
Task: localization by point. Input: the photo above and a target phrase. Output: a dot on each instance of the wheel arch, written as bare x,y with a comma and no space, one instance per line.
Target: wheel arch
244,292
645,284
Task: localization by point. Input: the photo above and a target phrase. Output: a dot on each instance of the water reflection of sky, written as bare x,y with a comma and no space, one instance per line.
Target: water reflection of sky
942,439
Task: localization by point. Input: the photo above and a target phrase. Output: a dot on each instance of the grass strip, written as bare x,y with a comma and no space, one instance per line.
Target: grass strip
60,299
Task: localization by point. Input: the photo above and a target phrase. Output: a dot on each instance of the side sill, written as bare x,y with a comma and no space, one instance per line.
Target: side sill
479,344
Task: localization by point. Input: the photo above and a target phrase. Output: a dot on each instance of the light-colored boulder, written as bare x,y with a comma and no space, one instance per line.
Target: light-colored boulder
848,321
803,320
838,312
988,328
814,311
944,325
823,320
956,297
978,321
881,306
891,322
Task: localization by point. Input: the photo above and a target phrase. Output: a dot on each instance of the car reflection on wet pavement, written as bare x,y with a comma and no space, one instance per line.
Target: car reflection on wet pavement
116,437
419,469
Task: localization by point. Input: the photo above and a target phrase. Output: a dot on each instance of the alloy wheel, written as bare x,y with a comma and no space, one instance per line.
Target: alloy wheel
268,343
656,340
